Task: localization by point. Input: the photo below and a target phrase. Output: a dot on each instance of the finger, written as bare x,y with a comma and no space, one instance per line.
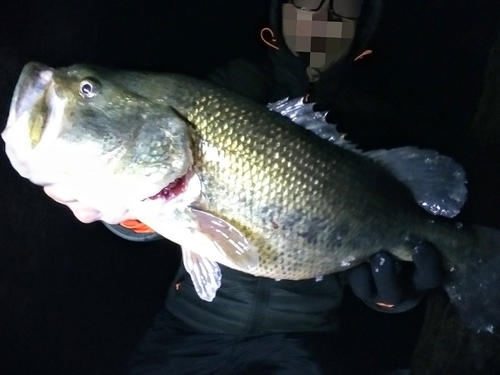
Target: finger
60,193
361,281
428,268
385,278
84,213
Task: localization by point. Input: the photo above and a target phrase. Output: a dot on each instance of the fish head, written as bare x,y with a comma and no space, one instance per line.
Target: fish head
88,138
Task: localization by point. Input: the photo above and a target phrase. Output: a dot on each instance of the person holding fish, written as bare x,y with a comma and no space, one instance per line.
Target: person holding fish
274,212
262,324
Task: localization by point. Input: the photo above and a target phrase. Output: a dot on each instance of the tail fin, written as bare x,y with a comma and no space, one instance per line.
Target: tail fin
474,286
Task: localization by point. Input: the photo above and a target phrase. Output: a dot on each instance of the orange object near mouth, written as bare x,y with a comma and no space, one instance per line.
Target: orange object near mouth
137,226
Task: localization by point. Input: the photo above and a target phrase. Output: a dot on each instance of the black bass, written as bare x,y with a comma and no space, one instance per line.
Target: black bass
237,184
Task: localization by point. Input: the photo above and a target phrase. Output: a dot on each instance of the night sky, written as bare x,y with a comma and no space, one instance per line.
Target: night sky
74,298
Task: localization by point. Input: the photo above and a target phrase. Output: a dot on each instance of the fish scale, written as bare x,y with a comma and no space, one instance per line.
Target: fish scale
289,182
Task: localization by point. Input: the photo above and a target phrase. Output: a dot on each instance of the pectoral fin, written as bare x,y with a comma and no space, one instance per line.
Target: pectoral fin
196,229
231,243
205,274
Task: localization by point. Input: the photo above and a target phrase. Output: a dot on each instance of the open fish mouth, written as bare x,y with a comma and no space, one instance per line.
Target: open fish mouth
25,126
32,91
33,83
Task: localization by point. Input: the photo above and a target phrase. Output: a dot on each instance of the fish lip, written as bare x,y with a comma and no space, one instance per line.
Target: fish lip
31,86
34,86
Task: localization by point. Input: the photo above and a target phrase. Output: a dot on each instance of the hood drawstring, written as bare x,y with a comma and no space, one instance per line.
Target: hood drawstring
363,54
267,36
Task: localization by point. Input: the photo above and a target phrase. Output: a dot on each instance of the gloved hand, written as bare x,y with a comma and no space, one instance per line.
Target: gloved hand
387,284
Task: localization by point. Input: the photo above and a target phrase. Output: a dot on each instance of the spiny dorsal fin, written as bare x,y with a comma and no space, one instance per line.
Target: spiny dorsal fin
303,114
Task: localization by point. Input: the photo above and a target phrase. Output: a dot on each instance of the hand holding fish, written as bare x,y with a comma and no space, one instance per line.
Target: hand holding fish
84,212
388,284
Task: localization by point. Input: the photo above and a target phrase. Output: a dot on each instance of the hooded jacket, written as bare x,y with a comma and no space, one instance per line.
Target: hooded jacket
289,71
286,74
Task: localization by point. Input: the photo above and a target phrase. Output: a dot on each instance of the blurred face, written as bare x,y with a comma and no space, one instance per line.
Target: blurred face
320,37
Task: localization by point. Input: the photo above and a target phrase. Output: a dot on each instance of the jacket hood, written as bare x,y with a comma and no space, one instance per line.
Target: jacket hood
367,24
290,71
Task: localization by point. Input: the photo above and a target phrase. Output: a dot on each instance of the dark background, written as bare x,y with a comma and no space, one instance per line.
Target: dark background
74,298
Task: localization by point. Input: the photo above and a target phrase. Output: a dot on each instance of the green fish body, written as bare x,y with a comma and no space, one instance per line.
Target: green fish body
235,183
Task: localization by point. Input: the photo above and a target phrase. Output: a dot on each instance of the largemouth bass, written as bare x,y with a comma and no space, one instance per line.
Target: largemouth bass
236,184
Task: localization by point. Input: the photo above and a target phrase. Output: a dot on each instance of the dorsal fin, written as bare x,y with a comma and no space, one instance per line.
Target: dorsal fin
436,181
304,115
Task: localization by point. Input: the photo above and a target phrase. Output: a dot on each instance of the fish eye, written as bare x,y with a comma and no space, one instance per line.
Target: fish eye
88,88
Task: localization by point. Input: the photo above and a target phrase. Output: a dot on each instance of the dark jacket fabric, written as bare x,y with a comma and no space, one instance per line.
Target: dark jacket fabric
246,304
168,349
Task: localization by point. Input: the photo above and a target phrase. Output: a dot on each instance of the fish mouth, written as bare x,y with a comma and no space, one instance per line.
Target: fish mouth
35,120
31,100
28,115
31,87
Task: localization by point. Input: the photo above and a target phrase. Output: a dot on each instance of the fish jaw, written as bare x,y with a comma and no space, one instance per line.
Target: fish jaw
23,132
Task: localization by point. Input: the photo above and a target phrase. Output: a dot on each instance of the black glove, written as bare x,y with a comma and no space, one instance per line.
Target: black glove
385,283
